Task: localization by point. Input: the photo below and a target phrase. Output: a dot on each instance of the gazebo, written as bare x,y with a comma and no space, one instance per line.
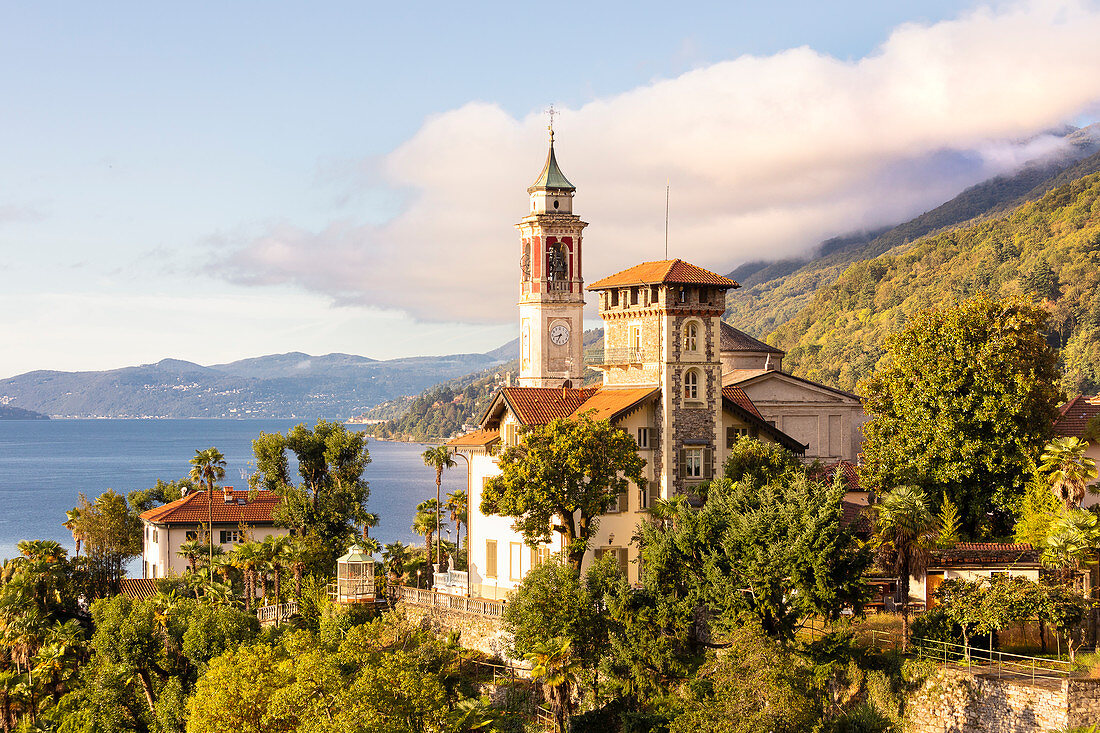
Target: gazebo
354,577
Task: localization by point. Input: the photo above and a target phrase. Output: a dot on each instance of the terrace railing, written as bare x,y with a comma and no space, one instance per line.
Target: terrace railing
976,661
277,612
432,599
616,357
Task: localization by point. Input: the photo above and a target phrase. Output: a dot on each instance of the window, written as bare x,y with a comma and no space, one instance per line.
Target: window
634,296
691,385
539,555
512,434
733,434
155,536
654,293
617,504
191,535
515,561
683,295
693,463
490,558
620,554
691,337
636,338
614,298
230,535
643,437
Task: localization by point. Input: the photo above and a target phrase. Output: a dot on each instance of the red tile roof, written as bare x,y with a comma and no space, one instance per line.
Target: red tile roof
854,517
732,339
476,438
848,470
540,405
192,509
1076,415
138,588
674,272
737,396
608,404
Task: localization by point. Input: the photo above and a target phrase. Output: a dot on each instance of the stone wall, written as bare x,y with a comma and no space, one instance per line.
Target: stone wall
481,633
954,701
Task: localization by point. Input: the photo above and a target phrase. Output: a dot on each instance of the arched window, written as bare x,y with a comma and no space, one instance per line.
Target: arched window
691,337
691,384
557,262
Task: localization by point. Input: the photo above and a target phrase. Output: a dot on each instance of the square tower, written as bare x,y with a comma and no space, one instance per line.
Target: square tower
662,328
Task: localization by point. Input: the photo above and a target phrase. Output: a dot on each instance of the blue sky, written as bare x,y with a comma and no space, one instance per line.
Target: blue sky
217,181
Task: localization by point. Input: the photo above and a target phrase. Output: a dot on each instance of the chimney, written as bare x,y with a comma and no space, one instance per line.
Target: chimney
227,494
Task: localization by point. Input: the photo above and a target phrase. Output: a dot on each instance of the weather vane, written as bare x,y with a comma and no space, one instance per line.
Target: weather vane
551,111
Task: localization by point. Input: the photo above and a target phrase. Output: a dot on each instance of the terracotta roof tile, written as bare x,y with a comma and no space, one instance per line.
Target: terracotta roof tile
992,546
192,508
736,376
1076,415
138,588
737,396
540,405
476,438
608,404
855,518
732,339
848,469
675,272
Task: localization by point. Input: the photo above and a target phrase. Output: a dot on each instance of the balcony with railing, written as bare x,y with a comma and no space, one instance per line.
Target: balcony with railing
453,582
616,357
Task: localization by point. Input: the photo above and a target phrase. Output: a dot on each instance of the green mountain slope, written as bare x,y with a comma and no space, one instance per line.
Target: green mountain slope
774,293
1050,247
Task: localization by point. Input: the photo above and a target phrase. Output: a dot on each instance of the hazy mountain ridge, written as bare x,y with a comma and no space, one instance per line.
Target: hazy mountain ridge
276,386
773,293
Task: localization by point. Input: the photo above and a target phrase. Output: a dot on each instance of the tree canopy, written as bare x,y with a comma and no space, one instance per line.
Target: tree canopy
561,478
965,398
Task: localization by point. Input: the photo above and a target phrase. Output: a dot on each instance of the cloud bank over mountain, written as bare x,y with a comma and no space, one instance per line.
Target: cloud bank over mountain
766,156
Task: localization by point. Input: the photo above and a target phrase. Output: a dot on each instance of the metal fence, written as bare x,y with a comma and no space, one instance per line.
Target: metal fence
976,661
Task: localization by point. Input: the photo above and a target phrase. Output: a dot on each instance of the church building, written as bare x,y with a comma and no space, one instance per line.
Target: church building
662,382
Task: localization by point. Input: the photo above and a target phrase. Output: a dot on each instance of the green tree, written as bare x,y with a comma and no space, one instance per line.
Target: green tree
235,693
207,468
947,524
553,664
112,535
426,523
964,398
1071,543
904,533
330,502
561,478
965,603
1068,469
1037,511
438,458
457,505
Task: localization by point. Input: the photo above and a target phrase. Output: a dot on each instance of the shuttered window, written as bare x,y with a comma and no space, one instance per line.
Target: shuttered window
622,558
732,434
696,464
490,558
618,504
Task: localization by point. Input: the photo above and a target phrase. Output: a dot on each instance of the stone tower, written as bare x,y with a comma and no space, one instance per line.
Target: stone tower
551,294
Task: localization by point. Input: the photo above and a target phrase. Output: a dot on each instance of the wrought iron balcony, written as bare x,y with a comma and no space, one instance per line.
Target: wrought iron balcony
616,357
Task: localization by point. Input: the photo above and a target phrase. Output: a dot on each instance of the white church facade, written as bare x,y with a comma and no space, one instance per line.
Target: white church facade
665,371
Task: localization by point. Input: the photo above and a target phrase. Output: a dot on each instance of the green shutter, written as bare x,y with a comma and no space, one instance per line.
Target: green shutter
708,463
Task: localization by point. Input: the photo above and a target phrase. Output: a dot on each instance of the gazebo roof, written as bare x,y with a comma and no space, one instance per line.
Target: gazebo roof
355,553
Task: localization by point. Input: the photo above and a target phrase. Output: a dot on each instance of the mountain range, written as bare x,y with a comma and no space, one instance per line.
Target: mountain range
293,385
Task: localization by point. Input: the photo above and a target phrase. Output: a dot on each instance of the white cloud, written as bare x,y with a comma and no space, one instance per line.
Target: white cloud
766,155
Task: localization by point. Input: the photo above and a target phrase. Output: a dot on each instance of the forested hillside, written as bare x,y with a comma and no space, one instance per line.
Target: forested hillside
1050,248
773,293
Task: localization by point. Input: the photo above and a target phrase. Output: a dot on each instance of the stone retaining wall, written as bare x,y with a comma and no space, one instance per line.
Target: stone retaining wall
481,633
954,701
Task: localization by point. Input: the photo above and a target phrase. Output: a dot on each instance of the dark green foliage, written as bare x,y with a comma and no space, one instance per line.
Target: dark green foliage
330,502
964,401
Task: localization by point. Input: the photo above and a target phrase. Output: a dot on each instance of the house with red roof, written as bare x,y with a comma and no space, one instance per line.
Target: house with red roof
235,515
1080,418
660,373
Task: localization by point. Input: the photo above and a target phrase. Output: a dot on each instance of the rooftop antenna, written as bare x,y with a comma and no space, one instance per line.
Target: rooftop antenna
666,217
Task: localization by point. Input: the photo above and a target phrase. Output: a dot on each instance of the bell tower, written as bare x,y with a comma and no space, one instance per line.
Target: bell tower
551,291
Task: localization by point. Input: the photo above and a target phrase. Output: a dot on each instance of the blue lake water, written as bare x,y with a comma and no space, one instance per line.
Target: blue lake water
44,464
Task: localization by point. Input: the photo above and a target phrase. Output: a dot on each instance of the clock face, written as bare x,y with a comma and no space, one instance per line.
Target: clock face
559,334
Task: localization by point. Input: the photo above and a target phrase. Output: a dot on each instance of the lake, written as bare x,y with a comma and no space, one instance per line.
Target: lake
45,464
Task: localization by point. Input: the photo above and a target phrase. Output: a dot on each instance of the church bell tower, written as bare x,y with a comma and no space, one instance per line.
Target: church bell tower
551,294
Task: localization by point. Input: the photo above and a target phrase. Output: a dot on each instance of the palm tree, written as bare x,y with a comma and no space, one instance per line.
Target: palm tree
1073,537
72,523
297,554
1068,469
208,467
553,663
395,555
427,524
457,503
248,557
370,521
438,458
275,549
905,531
192,549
